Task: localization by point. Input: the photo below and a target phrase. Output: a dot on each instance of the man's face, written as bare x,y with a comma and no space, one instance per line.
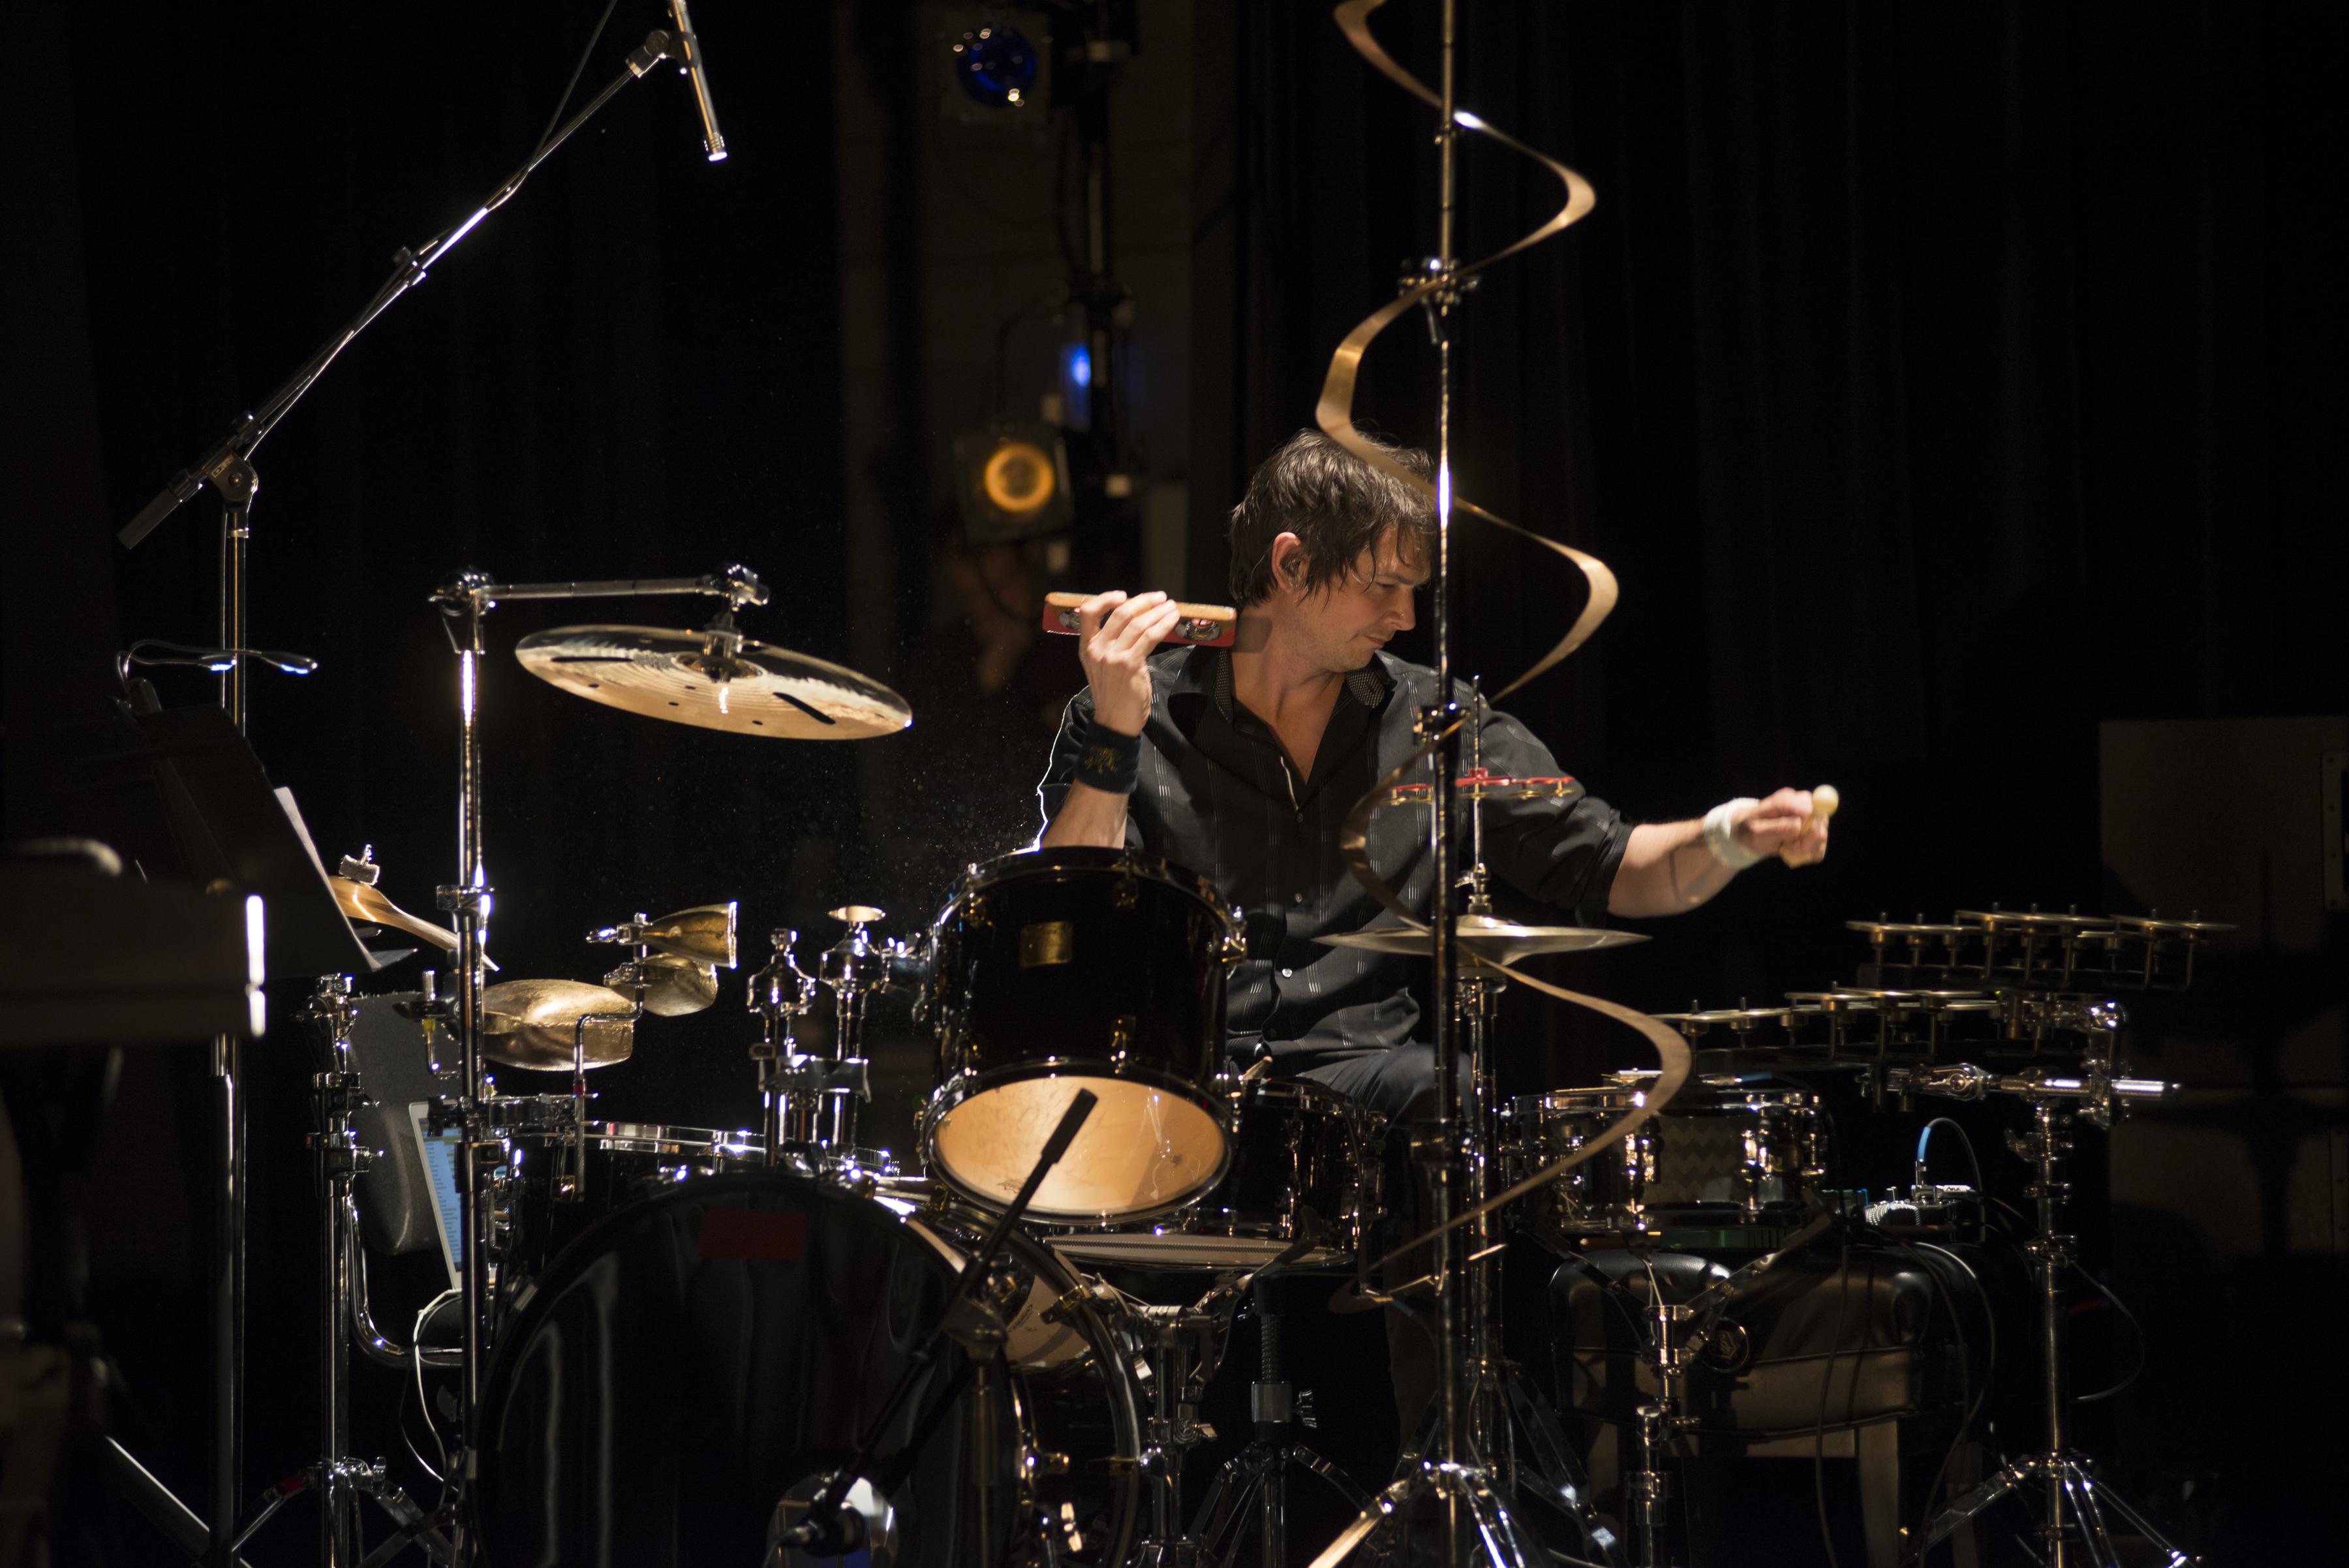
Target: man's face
1346,622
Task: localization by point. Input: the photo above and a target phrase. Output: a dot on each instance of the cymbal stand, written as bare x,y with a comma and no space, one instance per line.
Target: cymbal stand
855,968
339,1479
462,602
2072,1501
1445,1483
791,1084
1180,1347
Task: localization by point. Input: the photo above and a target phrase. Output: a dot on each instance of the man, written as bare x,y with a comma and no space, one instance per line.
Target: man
1240,764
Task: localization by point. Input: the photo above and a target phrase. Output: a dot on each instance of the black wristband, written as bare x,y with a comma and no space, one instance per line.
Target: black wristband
1108,760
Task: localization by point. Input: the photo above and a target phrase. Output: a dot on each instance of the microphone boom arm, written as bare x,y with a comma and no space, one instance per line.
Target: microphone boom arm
408,268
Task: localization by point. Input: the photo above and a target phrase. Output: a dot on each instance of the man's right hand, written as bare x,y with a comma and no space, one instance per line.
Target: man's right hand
1115,638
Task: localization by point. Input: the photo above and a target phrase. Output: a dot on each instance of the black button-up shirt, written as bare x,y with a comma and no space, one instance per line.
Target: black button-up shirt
1217,796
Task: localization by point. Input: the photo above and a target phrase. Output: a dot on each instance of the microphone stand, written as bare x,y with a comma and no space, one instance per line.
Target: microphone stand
228,468
826,1529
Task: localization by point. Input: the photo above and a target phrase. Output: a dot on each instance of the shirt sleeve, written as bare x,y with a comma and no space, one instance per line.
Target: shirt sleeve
1061,771
1564,853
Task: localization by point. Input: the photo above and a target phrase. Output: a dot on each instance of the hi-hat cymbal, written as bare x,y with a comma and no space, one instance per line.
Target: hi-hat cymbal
673,987
367,906
668,674
1497,942
704,934
532,1023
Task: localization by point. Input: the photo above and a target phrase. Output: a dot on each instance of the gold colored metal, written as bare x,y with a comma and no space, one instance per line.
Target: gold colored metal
1499,940
675,987
665,674
704,933
1046,942
367,906
530,1023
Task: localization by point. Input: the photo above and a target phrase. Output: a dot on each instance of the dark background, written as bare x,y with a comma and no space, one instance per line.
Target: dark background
1940,383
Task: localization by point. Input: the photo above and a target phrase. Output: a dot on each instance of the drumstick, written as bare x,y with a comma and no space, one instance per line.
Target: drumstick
1824,801
1202,626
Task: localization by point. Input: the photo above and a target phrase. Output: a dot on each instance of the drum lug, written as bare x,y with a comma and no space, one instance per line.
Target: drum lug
1047,1464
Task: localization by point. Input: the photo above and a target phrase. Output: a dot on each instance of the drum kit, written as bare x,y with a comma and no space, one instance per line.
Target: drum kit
782,1345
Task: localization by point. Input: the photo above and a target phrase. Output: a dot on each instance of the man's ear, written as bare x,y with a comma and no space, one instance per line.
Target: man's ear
1289,561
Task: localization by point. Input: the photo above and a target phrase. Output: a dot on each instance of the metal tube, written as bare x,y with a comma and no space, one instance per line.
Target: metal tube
1451,1447
472,978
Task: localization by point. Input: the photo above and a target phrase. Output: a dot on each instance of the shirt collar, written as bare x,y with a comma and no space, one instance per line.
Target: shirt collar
1367,686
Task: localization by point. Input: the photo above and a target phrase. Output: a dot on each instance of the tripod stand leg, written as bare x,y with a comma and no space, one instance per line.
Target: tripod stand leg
1553,1475
2101,1497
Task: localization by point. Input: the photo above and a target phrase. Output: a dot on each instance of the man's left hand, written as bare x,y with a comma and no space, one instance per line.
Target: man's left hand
1788,826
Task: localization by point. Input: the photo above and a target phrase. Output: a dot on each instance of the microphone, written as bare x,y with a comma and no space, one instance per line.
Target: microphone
688,56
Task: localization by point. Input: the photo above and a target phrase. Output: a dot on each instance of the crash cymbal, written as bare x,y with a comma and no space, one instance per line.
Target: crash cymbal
673,987
367,906
1497,942
676,675
704,934
531,1023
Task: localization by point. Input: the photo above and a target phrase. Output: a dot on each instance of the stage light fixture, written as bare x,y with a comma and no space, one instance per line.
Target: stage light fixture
996,65
1013,483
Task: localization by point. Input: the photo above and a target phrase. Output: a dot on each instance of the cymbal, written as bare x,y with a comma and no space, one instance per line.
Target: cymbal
668,674
2161,926
367,906
673,987
704,934
531,1023
1497,941
2031,921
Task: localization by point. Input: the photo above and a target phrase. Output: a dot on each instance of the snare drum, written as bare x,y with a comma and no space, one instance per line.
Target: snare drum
552,1185
1297,1147
1727,1154
1062,970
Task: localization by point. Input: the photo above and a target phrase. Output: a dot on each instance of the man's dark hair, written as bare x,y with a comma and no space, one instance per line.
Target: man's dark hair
1336,504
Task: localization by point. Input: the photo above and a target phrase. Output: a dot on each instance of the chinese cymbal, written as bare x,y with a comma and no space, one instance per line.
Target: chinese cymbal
675,987
1496,941
531,1023
674,675
367,906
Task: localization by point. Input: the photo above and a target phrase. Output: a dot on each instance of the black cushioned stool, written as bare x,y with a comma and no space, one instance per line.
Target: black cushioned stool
1869,1330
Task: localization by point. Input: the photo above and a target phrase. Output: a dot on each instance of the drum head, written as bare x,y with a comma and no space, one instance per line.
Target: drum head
1143,1151
694,1359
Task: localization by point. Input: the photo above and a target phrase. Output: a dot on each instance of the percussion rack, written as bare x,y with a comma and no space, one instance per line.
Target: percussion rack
2031,991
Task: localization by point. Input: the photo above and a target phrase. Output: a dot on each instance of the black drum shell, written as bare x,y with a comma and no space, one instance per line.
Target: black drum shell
672,1374
1103,958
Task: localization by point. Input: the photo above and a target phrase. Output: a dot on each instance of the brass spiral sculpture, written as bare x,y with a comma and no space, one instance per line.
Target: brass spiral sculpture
1335,414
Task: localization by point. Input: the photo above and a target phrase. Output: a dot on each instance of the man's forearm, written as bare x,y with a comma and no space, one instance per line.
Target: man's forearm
1088,816
1666,869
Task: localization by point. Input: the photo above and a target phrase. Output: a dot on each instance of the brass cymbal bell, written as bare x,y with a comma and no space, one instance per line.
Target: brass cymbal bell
673,987
704,934
534,1023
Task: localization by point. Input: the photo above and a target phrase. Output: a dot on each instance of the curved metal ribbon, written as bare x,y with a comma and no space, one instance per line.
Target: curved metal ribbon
1335,414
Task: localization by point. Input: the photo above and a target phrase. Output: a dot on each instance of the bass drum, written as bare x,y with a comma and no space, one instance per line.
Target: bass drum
691,1367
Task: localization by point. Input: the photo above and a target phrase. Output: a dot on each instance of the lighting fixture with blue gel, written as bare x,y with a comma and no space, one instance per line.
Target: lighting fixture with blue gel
996,65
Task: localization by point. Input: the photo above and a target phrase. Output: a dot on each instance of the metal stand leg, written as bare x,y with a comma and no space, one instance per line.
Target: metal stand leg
1260,1471
2072,1530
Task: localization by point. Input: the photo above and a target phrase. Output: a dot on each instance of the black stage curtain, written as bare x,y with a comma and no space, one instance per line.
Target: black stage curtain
630,370
1939,380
